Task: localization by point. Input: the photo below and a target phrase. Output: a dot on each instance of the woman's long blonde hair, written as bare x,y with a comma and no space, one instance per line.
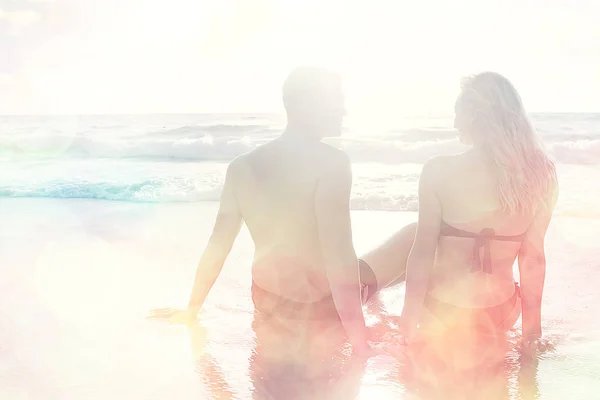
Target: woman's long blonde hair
500,127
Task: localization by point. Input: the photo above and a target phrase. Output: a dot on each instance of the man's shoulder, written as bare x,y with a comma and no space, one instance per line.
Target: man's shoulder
319,151
333,155
260,151
243,162
334,151
320,155
334,164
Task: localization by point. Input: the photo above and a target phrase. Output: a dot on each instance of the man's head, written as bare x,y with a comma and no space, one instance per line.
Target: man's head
314,101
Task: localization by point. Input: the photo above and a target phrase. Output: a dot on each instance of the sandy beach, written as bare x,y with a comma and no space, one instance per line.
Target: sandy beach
79,277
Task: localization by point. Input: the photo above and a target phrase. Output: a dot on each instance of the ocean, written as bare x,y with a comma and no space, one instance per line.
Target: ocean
103,218
182,158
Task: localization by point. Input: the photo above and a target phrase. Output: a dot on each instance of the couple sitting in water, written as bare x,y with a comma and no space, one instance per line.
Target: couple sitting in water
478,212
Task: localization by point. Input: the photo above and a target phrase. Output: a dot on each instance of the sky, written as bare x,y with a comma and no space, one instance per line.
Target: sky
396,57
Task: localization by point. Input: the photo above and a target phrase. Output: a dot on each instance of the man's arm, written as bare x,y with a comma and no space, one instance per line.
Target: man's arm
532,268
421,257
226,228
332,208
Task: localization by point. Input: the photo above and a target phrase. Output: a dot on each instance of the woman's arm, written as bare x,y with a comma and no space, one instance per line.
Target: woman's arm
421,257
532,268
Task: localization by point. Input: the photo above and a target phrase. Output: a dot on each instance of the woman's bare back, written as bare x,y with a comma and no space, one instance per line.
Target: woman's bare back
467,193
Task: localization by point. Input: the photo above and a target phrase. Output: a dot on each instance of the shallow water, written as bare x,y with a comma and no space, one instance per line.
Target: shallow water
79,276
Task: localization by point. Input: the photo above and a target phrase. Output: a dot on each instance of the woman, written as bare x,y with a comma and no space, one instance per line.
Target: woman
478,212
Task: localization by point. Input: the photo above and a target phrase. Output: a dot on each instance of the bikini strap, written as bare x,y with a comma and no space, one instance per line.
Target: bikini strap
482,239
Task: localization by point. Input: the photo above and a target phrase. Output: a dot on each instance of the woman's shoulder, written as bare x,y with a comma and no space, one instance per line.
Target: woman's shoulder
440,165
444,171
435,171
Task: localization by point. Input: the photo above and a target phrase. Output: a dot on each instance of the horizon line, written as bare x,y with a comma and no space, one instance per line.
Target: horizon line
247,113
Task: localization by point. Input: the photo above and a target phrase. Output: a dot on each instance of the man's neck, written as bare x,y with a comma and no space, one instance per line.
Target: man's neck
300,133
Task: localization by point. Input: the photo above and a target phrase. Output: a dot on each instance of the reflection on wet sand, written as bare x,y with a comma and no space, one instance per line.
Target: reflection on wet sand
309,359
207,367
527,382
469,368
303,360
291,360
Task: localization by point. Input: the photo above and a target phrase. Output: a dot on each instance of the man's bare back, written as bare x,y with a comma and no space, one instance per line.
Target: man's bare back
275,187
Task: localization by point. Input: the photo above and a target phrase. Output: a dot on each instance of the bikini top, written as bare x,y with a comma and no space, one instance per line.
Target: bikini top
482,239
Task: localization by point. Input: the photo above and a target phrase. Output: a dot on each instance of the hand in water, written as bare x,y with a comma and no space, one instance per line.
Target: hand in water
383,341
403,325
174,316
369,349
404,331
394,320
395,339
534,345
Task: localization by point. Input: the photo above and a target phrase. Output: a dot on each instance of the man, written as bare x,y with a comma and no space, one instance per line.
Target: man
293,193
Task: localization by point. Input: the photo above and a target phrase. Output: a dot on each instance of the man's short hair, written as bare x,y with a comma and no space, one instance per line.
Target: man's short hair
305,84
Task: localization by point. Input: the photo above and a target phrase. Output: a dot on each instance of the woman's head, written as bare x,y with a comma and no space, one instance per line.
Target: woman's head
488,103
491,117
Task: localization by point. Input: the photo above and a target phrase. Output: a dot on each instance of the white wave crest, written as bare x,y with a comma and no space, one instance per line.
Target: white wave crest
207,147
